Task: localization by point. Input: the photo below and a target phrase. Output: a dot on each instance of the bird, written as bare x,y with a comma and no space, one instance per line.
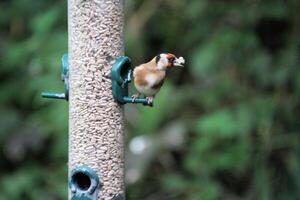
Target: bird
149,77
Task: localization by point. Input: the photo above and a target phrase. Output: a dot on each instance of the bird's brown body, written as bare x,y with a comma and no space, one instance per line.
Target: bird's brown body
148,79
150,76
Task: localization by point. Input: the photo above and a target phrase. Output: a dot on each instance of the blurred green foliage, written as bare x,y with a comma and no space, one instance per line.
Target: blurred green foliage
33,133
238,95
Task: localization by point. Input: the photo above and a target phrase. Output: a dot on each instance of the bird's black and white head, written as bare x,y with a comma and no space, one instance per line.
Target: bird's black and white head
167,60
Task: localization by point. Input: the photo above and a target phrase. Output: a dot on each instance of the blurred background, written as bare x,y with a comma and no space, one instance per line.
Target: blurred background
224,127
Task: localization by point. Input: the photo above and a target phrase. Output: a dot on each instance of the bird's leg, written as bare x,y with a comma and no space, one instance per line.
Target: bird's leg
150,99
135,96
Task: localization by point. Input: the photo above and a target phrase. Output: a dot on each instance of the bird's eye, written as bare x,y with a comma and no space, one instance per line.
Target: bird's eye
171,59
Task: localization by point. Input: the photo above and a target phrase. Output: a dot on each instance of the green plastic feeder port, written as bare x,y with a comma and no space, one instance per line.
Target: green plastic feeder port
121,75
64,78
84,183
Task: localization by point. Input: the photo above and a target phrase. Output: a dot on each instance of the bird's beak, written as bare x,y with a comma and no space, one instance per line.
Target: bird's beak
179,62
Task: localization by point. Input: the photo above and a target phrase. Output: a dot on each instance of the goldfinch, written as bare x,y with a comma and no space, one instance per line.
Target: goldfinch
150,76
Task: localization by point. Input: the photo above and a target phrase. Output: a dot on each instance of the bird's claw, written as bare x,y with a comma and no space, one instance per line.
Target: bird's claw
149,100
134,97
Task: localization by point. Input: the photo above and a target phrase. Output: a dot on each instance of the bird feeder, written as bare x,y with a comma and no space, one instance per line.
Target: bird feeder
84,184
64,78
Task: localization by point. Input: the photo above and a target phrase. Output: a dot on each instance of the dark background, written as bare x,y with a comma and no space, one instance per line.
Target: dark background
224,127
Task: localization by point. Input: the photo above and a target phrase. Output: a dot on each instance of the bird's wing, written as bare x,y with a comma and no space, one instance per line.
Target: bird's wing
139,74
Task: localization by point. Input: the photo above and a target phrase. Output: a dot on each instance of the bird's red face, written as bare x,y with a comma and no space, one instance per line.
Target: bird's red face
171,58
168,60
